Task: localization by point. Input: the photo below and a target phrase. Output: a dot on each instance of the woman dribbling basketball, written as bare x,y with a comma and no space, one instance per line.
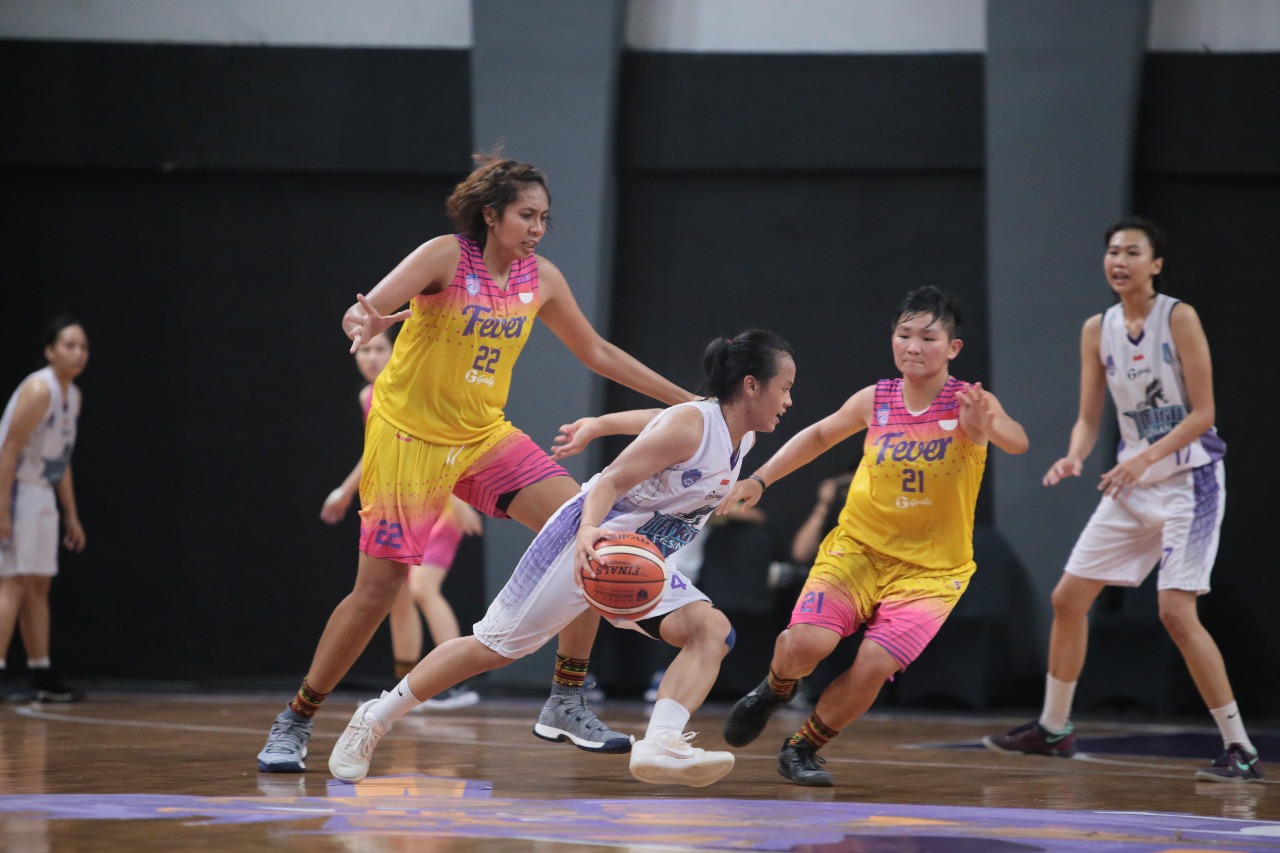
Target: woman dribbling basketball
664,485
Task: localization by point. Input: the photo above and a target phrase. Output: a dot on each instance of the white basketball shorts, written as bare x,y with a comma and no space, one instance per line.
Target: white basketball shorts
33,550
1173,524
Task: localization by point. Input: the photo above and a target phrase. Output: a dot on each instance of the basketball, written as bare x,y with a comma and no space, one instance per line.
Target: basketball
630,576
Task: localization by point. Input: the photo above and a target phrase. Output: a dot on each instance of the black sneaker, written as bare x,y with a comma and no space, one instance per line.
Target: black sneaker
49,687
1236,764
1034,739
799,763
751,713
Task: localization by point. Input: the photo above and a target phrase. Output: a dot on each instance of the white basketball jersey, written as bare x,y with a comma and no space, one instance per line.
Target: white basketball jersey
1149,390
673,505
47,453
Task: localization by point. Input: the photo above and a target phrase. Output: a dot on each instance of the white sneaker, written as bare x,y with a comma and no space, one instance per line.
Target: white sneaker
669,760
350,758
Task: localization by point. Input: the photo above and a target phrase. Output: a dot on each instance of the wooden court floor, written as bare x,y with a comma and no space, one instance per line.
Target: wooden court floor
130,772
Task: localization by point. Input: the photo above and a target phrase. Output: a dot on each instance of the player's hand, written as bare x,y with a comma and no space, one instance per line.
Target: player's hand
585,551
1060,470
1120,480
469,520
744,494
335,506
73,535
6,527
573,438
975,409
362,322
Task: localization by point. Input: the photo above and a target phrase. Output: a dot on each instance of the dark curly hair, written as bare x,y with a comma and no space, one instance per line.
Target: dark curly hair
495,183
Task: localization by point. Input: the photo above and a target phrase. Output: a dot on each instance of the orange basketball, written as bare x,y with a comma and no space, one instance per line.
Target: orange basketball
630,576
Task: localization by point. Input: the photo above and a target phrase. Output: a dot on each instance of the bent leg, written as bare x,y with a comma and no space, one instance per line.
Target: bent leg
701,632
850,695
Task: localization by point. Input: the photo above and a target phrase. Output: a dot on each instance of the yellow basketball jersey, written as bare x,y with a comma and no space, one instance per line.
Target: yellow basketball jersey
914,494
450,372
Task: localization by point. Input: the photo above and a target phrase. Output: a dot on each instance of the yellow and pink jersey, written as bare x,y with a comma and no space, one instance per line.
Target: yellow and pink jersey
913,496
450,372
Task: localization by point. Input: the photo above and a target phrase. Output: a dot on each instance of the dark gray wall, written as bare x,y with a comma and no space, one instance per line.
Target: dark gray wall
1062,112
560,116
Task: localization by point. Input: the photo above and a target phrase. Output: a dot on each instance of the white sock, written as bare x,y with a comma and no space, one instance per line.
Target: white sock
668,716
38,663
1058,696
1231,725
394,704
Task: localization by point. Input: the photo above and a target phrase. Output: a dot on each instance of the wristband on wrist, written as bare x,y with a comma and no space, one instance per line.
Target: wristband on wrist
763,484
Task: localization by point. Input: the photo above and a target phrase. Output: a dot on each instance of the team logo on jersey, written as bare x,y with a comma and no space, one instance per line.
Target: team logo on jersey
882,414
1166,353
1111,366
672,532
949,425
473,284
688,478
526,297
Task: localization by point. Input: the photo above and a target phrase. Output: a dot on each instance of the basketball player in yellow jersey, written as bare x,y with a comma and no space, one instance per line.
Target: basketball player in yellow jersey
902,553
436,427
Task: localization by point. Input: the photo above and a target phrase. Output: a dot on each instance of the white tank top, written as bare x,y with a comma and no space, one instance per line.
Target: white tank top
1149,390
673,505
47,453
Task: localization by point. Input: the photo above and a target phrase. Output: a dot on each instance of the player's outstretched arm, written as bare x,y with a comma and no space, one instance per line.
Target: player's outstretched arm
805,446
565,319
574,438
425,270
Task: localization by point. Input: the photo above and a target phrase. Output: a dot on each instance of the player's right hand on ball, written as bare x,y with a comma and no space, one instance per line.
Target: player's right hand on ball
585,552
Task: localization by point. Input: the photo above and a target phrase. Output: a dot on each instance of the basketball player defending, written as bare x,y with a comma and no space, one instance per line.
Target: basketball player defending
902,554
437,427
1162,504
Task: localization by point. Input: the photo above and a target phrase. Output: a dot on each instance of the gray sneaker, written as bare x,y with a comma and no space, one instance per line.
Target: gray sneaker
286,745
566,716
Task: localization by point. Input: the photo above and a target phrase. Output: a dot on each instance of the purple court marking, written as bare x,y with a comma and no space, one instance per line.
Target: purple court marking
389,805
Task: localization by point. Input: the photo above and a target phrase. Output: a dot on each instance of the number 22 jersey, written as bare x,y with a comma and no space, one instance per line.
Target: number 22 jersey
450,373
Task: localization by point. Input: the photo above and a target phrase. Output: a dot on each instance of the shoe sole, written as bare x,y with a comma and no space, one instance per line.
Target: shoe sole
283,766
995,747
820,781
56,698
693,776
613,746
1206,776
